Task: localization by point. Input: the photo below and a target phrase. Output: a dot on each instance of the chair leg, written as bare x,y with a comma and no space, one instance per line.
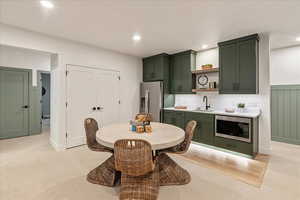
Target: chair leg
170,173
144,187
105,174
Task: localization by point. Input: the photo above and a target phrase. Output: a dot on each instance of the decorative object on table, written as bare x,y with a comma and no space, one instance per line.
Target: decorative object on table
140,177
169,172
140,129
180,107
202,80
141,121
207,66
212,85
104,174
148,129
143,117
241,107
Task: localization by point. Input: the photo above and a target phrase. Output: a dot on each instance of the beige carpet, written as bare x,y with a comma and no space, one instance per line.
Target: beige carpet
250,171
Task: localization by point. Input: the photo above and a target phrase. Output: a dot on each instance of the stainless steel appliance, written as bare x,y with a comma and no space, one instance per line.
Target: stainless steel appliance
236,128
151,100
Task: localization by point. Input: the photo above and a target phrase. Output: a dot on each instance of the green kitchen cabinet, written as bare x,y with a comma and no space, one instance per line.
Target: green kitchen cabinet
204,132
181,67
175,118
234,145
238,60
156,68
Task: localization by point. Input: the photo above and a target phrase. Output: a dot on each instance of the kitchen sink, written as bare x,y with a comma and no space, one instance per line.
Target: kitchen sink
203,110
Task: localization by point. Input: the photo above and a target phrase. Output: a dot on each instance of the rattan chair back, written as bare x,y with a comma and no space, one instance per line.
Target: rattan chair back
133,157
189,133
91,128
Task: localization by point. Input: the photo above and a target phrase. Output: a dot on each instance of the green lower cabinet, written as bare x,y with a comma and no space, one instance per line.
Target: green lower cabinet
204,132
234,145
175,118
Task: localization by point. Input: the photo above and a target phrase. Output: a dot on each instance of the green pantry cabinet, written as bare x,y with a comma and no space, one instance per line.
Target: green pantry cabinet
238,60
205,131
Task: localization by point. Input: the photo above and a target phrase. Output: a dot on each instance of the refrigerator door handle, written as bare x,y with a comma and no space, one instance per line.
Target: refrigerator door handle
147,101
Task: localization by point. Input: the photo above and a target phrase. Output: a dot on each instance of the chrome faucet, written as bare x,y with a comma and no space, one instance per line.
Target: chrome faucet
205,99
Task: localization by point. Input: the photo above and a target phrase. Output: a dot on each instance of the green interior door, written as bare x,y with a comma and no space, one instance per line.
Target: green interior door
14,104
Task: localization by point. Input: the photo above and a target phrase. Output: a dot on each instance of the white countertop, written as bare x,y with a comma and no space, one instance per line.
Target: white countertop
249,113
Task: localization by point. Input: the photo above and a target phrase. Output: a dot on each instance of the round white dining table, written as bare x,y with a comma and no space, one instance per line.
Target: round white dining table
162,135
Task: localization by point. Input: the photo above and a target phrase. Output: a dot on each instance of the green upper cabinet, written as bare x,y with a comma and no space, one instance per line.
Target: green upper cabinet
181,78
238,60
156,68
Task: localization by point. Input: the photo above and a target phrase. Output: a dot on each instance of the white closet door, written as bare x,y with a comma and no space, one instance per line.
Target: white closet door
81,98
108,97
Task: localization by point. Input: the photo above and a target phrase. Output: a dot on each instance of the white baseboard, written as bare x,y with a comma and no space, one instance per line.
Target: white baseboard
56,146
78,141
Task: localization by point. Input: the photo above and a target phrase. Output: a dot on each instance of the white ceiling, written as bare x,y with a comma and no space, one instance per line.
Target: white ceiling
165,25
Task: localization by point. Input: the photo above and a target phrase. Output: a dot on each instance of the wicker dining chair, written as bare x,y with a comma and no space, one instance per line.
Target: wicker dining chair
140,174
105,173
170,173
183,146
91,128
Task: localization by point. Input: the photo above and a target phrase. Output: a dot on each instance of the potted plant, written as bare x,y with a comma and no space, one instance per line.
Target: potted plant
241,107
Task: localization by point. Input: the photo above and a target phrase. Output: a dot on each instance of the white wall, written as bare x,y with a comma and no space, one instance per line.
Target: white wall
210,56
24,58
285,66
219,102
67,52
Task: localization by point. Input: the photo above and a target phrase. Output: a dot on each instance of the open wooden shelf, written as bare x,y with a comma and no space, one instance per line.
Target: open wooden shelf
204,71
206,90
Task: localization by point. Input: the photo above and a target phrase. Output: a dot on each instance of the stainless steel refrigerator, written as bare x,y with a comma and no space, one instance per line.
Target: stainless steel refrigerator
151,100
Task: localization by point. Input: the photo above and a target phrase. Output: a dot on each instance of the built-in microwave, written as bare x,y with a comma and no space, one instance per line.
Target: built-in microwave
237,128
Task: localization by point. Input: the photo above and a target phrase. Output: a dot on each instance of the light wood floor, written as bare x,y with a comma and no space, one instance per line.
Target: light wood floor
30,169
248,170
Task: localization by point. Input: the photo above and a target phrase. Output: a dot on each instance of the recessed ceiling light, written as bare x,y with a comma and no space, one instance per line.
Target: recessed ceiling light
47,4
136,37
204,46
298,39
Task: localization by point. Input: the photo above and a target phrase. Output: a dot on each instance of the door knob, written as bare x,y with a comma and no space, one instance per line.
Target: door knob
99,108
26,106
